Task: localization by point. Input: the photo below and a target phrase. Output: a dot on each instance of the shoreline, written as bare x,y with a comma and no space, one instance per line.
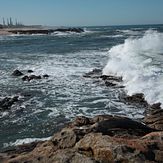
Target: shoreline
31,30
104,138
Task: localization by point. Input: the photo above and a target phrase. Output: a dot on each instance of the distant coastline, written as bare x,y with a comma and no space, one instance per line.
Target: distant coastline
37,30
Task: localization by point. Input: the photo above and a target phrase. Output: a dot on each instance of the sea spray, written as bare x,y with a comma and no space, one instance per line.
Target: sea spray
139,61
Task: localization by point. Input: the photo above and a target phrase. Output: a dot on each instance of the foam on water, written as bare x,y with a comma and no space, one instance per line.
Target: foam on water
139,61
24,141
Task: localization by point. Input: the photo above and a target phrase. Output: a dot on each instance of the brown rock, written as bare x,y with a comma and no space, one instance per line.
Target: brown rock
65,139
155,117
84,141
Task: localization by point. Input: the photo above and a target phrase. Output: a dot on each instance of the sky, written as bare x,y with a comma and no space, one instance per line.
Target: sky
83,12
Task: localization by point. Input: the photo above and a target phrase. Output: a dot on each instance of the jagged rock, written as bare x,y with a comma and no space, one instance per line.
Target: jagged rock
155,117
7,102
17,73
109,77
85,140
110,149
137,98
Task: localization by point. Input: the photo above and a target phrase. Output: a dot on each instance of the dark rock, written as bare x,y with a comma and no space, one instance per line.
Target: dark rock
30,71
95,73
17,73
25,78
7,102
31,77
112,78
137,99
45,76
120,124
110,84
155,117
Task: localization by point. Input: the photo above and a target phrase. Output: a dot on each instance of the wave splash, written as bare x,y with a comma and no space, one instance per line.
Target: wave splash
139,61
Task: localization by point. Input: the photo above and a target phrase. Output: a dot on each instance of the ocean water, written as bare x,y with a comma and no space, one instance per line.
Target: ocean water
133,52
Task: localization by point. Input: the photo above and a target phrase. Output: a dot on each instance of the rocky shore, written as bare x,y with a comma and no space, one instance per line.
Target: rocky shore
101,139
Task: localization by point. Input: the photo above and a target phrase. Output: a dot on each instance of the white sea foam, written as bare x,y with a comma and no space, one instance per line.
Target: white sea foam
140,63
112,36
130,32
24,141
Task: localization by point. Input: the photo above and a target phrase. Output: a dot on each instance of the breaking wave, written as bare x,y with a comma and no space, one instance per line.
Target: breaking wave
139,61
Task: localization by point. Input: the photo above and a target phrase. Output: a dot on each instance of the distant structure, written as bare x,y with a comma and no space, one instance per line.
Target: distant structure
8,23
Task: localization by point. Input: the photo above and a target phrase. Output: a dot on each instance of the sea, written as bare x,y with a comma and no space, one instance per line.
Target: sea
133,52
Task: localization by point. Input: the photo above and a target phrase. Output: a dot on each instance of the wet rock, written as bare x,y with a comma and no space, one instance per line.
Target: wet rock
110,84
109,77
95,73
31,77
25,78
136,99
7,102
30,71
154,118
17,73
45,76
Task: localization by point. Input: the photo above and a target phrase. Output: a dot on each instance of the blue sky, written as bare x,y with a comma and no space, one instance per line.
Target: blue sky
83,12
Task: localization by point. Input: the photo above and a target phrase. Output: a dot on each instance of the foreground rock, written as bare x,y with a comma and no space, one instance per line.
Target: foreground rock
102,139
7,102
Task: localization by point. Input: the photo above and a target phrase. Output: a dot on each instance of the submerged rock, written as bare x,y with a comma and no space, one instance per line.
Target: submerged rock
7,102
31,77
17,73
95,73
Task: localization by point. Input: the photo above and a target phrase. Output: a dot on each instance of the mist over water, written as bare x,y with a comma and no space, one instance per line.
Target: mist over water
134,52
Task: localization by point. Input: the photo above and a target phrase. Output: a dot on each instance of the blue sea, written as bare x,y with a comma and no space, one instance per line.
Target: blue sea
44,106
